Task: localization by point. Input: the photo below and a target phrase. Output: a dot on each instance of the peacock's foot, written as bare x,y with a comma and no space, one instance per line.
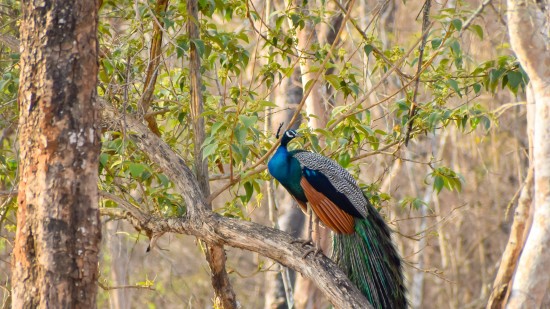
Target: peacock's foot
316,252
304,242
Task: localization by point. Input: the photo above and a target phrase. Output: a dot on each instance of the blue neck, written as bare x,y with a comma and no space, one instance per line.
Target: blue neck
286,169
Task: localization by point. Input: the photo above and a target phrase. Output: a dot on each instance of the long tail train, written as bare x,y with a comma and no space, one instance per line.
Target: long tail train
370,260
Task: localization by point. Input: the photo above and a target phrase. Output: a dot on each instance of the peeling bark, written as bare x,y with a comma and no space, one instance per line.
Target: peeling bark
520,226
153,65
529,37
55,257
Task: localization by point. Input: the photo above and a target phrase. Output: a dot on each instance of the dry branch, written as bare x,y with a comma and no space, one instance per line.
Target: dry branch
212,228
153,65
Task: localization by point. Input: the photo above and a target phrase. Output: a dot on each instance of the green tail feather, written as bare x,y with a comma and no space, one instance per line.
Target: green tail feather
370,260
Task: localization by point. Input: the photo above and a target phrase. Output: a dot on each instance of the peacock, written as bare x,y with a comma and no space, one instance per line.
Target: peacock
362,245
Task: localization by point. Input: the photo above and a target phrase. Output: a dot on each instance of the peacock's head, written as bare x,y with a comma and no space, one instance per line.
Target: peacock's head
288,136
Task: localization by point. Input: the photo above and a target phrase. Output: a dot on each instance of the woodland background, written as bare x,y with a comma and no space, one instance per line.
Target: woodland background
450,194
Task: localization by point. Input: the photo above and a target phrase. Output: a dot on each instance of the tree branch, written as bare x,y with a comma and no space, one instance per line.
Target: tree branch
425,25
152,66
213,228
269,242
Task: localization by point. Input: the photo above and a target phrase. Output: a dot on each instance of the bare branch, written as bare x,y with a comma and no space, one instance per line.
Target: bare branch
153,65
425,25
471,19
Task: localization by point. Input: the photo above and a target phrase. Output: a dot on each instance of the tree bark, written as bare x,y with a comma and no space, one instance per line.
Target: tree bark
520,226
55,256
528,28
153,65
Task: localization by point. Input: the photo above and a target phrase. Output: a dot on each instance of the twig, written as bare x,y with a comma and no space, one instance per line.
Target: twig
10,41
153,65
107,288
425,25
375,49
477,12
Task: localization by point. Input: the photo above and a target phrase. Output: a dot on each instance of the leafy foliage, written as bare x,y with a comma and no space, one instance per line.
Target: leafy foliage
245,57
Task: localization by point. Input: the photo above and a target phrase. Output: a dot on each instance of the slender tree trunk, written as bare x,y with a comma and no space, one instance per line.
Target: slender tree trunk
215,254
529,37
116,245
55,257
307,37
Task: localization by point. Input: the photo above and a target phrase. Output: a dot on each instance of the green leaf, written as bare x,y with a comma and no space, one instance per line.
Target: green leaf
209,149
199,45
182,46
477,88
103,158
248,121
368,49
215,127
453,83
240,134
249,189
514,80
344,159
455,47
436,43
309,84
265,103
334,80
457,24
477,30
163,180
438,183
417,203
136,169
295,18
494,76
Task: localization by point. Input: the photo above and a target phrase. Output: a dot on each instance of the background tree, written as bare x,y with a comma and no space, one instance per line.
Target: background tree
528,288
56,248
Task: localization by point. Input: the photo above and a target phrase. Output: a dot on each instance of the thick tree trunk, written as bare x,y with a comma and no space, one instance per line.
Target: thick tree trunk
55,257
521,225
529,37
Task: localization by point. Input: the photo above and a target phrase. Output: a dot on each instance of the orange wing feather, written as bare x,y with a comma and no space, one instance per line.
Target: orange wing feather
331,215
